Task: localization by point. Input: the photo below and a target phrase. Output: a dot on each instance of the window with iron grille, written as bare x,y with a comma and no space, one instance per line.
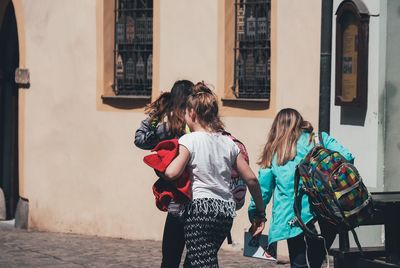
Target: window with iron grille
252,49
133,47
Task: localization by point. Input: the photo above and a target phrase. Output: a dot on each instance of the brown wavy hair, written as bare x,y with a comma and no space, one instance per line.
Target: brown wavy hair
205,104
282,138
171,106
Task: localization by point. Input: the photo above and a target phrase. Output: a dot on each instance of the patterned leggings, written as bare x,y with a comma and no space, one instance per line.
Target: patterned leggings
205,231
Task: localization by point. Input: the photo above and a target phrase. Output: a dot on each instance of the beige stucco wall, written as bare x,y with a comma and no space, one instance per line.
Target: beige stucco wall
81,171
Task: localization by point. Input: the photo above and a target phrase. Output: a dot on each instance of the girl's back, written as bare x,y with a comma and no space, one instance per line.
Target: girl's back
212,156
208,217
285,173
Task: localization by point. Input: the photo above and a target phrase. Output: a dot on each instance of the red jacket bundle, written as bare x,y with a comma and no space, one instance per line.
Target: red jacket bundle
164,191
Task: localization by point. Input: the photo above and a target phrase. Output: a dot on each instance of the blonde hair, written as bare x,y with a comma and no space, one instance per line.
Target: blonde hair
282,139
204,103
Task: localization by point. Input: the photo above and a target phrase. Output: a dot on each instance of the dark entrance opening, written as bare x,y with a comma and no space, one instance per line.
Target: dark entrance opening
9,61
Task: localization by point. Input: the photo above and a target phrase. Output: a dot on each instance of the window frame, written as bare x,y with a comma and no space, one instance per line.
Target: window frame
136,49
242,45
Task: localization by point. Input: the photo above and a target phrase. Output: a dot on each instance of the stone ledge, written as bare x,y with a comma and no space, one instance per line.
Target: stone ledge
22,213
3,214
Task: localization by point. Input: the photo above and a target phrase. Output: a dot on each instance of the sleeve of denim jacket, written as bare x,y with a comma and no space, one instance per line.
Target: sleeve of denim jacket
148,136
332,144
266,179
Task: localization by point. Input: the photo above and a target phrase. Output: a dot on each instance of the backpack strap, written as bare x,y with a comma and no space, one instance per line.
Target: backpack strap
318,140
321,140
297,208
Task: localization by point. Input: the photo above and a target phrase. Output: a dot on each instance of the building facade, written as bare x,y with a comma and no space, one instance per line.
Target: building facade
77,167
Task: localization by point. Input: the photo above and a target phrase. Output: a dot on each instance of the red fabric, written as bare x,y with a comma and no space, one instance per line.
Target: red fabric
164,191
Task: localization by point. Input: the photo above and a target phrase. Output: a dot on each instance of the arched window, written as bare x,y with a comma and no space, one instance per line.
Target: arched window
252,49
133,47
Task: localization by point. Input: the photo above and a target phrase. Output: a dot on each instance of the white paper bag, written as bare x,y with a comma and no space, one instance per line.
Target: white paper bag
258,247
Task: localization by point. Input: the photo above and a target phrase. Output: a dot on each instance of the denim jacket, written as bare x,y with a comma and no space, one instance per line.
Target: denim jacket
279,182
149,134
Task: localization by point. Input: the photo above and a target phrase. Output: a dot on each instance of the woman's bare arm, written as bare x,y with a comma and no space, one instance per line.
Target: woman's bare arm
178,165
254,187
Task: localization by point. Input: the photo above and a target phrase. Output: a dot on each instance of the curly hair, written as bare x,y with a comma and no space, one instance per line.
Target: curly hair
171,106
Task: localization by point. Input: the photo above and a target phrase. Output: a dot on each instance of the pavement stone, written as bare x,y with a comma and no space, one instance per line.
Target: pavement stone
22,248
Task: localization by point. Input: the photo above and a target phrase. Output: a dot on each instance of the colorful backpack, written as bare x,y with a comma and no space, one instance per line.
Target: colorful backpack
237,184
335,190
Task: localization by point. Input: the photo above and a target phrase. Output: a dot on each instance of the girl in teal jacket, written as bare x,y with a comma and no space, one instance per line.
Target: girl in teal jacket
289,141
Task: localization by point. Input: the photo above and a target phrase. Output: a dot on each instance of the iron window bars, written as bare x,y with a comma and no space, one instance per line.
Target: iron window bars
133,57
252,49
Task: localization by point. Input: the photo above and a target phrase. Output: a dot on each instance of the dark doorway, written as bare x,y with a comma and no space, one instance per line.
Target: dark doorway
9,59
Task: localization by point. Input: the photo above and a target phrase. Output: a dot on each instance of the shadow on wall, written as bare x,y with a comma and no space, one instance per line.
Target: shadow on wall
391,96
353,115
392,111
252,105
125,103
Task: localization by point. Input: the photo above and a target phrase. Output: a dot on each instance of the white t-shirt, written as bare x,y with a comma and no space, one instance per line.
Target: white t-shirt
212,156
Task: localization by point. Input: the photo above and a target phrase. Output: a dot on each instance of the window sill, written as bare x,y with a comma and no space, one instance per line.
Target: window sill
239,100
126,102
124,97
246,104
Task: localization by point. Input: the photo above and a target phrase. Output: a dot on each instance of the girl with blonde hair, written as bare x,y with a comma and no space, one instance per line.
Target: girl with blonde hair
289,141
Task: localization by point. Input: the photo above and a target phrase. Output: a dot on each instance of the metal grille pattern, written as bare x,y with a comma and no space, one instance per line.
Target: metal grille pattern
133,47
252,49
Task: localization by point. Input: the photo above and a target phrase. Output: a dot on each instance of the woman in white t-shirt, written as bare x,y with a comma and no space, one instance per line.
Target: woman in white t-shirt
210,156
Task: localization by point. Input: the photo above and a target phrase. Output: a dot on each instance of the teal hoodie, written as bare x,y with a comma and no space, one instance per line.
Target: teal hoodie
279,182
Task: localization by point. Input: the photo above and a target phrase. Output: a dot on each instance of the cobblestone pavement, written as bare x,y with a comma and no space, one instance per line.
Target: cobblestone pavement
21,248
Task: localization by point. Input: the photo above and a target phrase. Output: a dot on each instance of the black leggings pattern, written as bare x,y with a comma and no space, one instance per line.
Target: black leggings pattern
315,247
173,242
205,231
